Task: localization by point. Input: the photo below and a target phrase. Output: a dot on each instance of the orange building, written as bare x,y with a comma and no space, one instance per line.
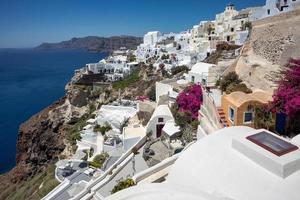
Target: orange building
238,107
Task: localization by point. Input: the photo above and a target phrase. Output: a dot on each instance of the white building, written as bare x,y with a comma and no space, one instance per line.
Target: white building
161,115
151,38
163,88
275,7
115,116
200,73
224,24
113,68
237,163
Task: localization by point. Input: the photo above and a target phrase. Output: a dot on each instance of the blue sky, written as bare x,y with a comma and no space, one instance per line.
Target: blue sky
27,23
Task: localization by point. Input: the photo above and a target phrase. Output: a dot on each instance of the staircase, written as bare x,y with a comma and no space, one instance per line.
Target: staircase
223,119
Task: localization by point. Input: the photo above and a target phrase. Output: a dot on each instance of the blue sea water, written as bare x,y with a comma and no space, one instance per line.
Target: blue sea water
30,80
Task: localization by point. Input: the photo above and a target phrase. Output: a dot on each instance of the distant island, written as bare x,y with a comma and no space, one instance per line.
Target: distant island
95,43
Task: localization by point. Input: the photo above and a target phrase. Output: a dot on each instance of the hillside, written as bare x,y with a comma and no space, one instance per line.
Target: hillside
272,42
94,43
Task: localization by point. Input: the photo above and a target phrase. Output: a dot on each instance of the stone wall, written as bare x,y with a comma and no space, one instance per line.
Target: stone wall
277,38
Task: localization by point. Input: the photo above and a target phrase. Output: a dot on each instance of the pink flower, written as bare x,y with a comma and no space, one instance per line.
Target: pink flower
190,100
286,98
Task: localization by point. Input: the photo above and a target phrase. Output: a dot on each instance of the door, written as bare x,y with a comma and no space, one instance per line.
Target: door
280,123
159,128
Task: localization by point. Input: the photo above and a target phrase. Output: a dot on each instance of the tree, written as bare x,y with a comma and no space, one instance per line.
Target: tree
286,98
190,100
179,69
230,78
123,124
263,118
152,93
103,129
182,118
287,95
233,87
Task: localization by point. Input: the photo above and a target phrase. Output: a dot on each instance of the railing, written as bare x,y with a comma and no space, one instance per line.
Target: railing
210,110
93,186
57,190
158,167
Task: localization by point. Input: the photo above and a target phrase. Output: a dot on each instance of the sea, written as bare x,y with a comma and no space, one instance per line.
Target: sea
30,80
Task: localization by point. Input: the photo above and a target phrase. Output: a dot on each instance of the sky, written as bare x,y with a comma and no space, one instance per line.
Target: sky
27,23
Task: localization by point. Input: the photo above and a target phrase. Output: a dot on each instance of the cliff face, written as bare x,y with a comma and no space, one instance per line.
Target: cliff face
39,142
41,139
94,43
272,42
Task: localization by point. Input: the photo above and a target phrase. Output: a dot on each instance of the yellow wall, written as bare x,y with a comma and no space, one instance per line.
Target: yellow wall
239,111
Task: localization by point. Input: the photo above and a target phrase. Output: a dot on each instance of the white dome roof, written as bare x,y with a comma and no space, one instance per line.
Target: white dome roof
213,169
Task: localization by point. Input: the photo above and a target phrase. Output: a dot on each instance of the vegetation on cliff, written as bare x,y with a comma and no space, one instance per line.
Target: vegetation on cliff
232,83
34,189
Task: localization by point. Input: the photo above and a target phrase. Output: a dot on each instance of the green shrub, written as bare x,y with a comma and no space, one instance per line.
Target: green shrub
131,58
230,78
187,134
123,185
179,69
94,164
103,129
34,188
182,119
132,78
99,160
238,87
195,124
152,93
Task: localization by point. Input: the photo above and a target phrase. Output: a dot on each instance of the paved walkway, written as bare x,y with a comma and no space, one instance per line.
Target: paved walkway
138,164
73,187
216,95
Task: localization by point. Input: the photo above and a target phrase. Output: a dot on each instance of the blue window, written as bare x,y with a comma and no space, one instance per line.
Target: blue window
248,117
231,114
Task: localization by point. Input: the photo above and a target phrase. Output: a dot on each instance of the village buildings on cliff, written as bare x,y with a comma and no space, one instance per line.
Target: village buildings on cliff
221,129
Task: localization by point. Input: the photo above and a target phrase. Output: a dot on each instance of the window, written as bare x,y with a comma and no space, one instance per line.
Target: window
269,11
248,117
232,29
272,143
193,79
231,114
160,119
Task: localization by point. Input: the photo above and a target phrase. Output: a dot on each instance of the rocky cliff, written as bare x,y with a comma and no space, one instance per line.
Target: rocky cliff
43,138
95,44
272,42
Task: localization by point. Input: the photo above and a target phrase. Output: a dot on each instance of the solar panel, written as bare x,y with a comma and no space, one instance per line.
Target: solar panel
272,143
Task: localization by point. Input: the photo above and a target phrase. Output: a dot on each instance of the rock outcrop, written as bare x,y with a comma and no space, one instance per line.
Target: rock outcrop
272,42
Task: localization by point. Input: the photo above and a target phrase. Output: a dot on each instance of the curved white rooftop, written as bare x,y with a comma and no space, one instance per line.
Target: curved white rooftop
201,67
161,110
213,168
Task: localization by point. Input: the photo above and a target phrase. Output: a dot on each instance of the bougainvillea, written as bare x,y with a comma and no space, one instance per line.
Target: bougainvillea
190,100
286,98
